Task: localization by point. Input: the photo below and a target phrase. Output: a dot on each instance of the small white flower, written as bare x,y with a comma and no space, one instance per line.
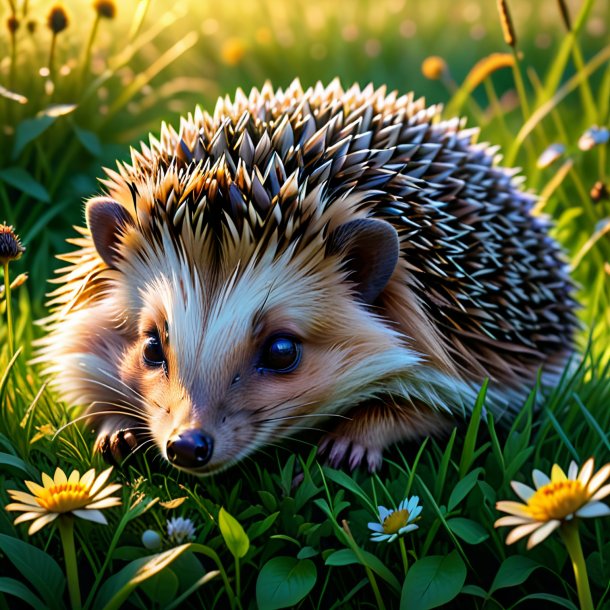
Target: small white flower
550,155
180,530
394,523
151,540
594,136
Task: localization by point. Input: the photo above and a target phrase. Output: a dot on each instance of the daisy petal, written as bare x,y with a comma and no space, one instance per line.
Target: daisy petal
542,532
36,489
105,503
47,481
26,517
602,492
100,481
375,527
60,477
383,512
88,478
91,515
573,471
379,537
585,472
413,504
41,522
408,528
107,491
392,538
593,509
26,507
416,512
557,474
521,531
510,520
525,492
74,477
540,479
21,496
598,479
513,508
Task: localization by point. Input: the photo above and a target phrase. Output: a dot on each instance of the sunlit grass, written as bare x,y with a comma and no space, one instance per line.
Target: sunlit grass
73,98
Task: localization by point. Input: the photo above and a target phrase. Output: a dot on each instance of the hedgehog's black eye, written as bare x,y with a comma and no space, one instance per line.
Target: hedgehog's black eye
281,354
153,351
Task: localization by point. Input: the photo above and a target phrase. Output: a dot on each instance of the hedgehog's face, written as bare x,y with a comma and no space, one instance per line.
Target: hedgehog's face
227,364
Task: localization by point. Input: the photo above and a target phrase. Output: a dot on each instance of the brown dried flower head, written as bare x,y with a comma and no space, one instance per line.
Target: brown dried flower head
57,21
599,192
106,9
10,245
12,23
31,25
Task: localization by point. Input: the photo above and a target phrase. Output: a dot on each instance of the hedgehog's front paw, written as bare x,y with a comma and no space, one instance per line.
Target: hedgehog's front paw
116,446
343,450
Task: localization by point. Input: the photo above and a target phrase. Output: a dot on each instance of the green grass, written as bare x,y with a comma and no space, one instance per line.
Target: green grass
312,536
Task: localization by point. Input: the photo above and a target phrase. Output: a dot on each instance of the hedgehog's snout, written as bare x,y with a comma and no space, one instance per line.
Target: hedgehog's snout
190,449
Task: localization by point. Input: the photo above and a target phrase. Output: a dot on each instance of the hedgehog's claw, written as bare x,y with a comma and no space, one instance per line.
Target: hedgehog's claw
341,449
116,447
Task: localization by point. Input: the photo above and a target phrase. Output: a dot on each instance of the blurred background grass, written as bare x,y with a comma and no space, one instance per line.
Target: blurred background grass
119,70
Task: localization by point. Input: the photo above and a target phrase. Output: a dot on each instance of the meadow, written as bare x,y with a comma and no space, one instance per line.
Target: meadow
81,82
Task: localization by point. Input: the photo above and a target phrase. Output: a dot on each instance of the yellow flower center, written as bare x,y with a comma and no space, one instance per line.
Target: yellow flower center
395,520
557,500
64,497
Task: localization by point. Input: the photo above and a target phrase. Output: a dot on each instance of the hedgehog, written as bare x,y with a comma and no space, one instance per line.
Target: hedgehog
342,259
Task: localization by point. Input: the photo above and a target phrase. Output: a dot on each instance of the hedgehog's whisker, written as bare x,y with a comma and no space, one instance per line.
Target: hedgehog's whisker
86,416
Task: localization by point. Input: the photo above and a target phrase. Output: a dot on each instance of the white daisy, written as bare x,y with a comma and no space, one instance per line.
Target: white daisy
394,523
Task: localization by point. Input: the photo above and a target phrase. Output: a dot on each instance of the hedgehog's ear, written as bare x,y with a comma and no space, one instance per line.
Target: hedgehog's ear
369,249
107,220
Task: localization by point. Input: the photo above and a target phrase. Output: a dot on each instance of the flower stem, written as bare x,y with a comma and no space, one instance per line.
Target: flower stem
66,530
88,51
9,311
571,538
403,553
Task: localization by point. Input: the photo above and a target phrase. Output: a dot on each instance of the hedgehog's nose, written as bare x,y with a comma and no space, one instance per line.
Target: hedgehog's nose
190,448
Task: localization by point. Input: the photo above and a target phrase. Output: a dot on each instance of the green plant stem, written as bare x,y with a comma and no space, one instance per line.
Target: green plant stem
403,553
237,581
87,59
66,531
571,538
52,59
9,311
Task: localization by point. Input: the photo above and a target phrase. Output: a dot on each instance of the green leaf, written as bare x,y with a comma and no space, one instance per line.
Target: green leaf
89,140
343,479
463,488
260,527
28,130
10,586
20,179
233,533
514,571
120,586
548,597
468,530
306,552
38,568
433,581
162,587
13,463
345,557
472,431
284,581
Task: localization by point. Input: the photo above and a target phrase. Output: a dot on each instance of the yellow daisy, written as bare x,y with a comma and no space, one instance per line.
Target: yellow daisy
83,497
554,501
